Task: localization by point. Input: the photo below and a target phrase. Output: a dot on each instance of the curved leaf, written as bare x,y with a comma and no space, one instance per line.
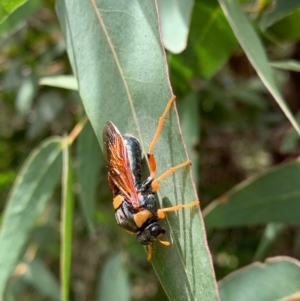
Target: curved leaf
117,56
292,65
271,197
277,279
89,160
32,189
18,17
209,28
175,23
191,128
114,269
9,6
60,81
42,279
271,233
66,222
253,48
279,10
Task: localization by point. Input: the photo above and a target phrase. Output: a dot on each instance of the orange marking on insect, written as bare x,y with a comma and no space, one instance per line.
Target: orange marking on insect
141,217
117,202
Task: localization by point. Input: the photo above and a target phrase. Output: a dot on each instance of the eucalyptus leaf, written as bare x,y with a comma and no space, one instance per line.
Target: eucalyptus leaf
17,19
271,233
254,50
211,40
278,10
33,187
26,95
277,279
119,288
89,160
67,221
117,56
175,23
270,197
60,81
291,65
9,6
41,278
189,109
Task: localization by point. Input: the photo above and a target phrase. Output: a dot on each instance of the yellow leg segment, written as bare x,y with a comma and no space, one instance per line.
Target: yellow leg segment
164,242
155,185
161,212
157,133
150,252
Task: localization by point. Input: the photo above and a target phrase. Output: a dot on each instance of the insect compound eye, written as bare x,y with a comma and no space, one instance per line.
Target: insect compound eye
157,230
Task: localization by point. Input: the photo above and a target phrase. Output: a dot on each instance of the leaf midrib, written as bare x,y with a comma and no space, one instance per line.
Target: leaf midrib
118,65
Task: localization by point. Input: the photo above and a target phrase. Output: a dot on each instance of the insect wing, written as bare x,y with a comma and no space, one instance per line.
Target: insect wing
120,176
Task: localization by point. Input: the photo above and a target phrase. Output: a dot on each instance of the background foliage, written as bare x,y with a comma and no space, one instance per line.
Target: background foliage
236,97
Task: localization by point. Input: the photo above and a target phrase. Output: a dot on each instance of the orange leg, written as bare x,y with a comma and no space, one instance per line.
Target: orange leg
151,158
150,248
161,212
155,185
150,251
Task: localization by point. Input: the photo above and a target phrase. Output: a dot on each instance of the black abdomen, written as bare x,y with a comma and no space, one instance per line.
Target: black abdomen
134,151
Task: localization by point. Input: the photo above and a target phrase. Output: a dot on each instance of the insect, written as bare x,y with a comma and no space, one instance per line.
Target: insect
134,200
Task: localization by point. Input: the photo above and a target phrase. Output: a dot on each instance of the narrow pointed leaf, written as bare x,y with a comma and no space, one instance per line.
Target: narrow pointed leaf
275,280
33,187
9,6
17,19
66,222
175,22
209,28
270,197
253,48
270,234
278,10
60,81
117,56
114,269
190,123
291,65
42,280
89,160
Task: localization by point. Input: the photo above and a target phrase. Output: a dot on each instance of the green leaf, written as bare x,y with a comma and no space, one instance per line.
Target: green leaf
89,161
66,221
270,234
9,6
253,48
278,10
270,197
60,81
175,23
286,29
211,40
33,187
291,65
117,56
189,109
119,288
17,18
277,279
42,279
26,95
290,139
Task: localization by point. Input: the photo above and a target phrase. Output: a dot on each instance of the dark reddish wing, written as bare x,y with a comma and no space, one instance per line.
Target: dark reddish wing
120,176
